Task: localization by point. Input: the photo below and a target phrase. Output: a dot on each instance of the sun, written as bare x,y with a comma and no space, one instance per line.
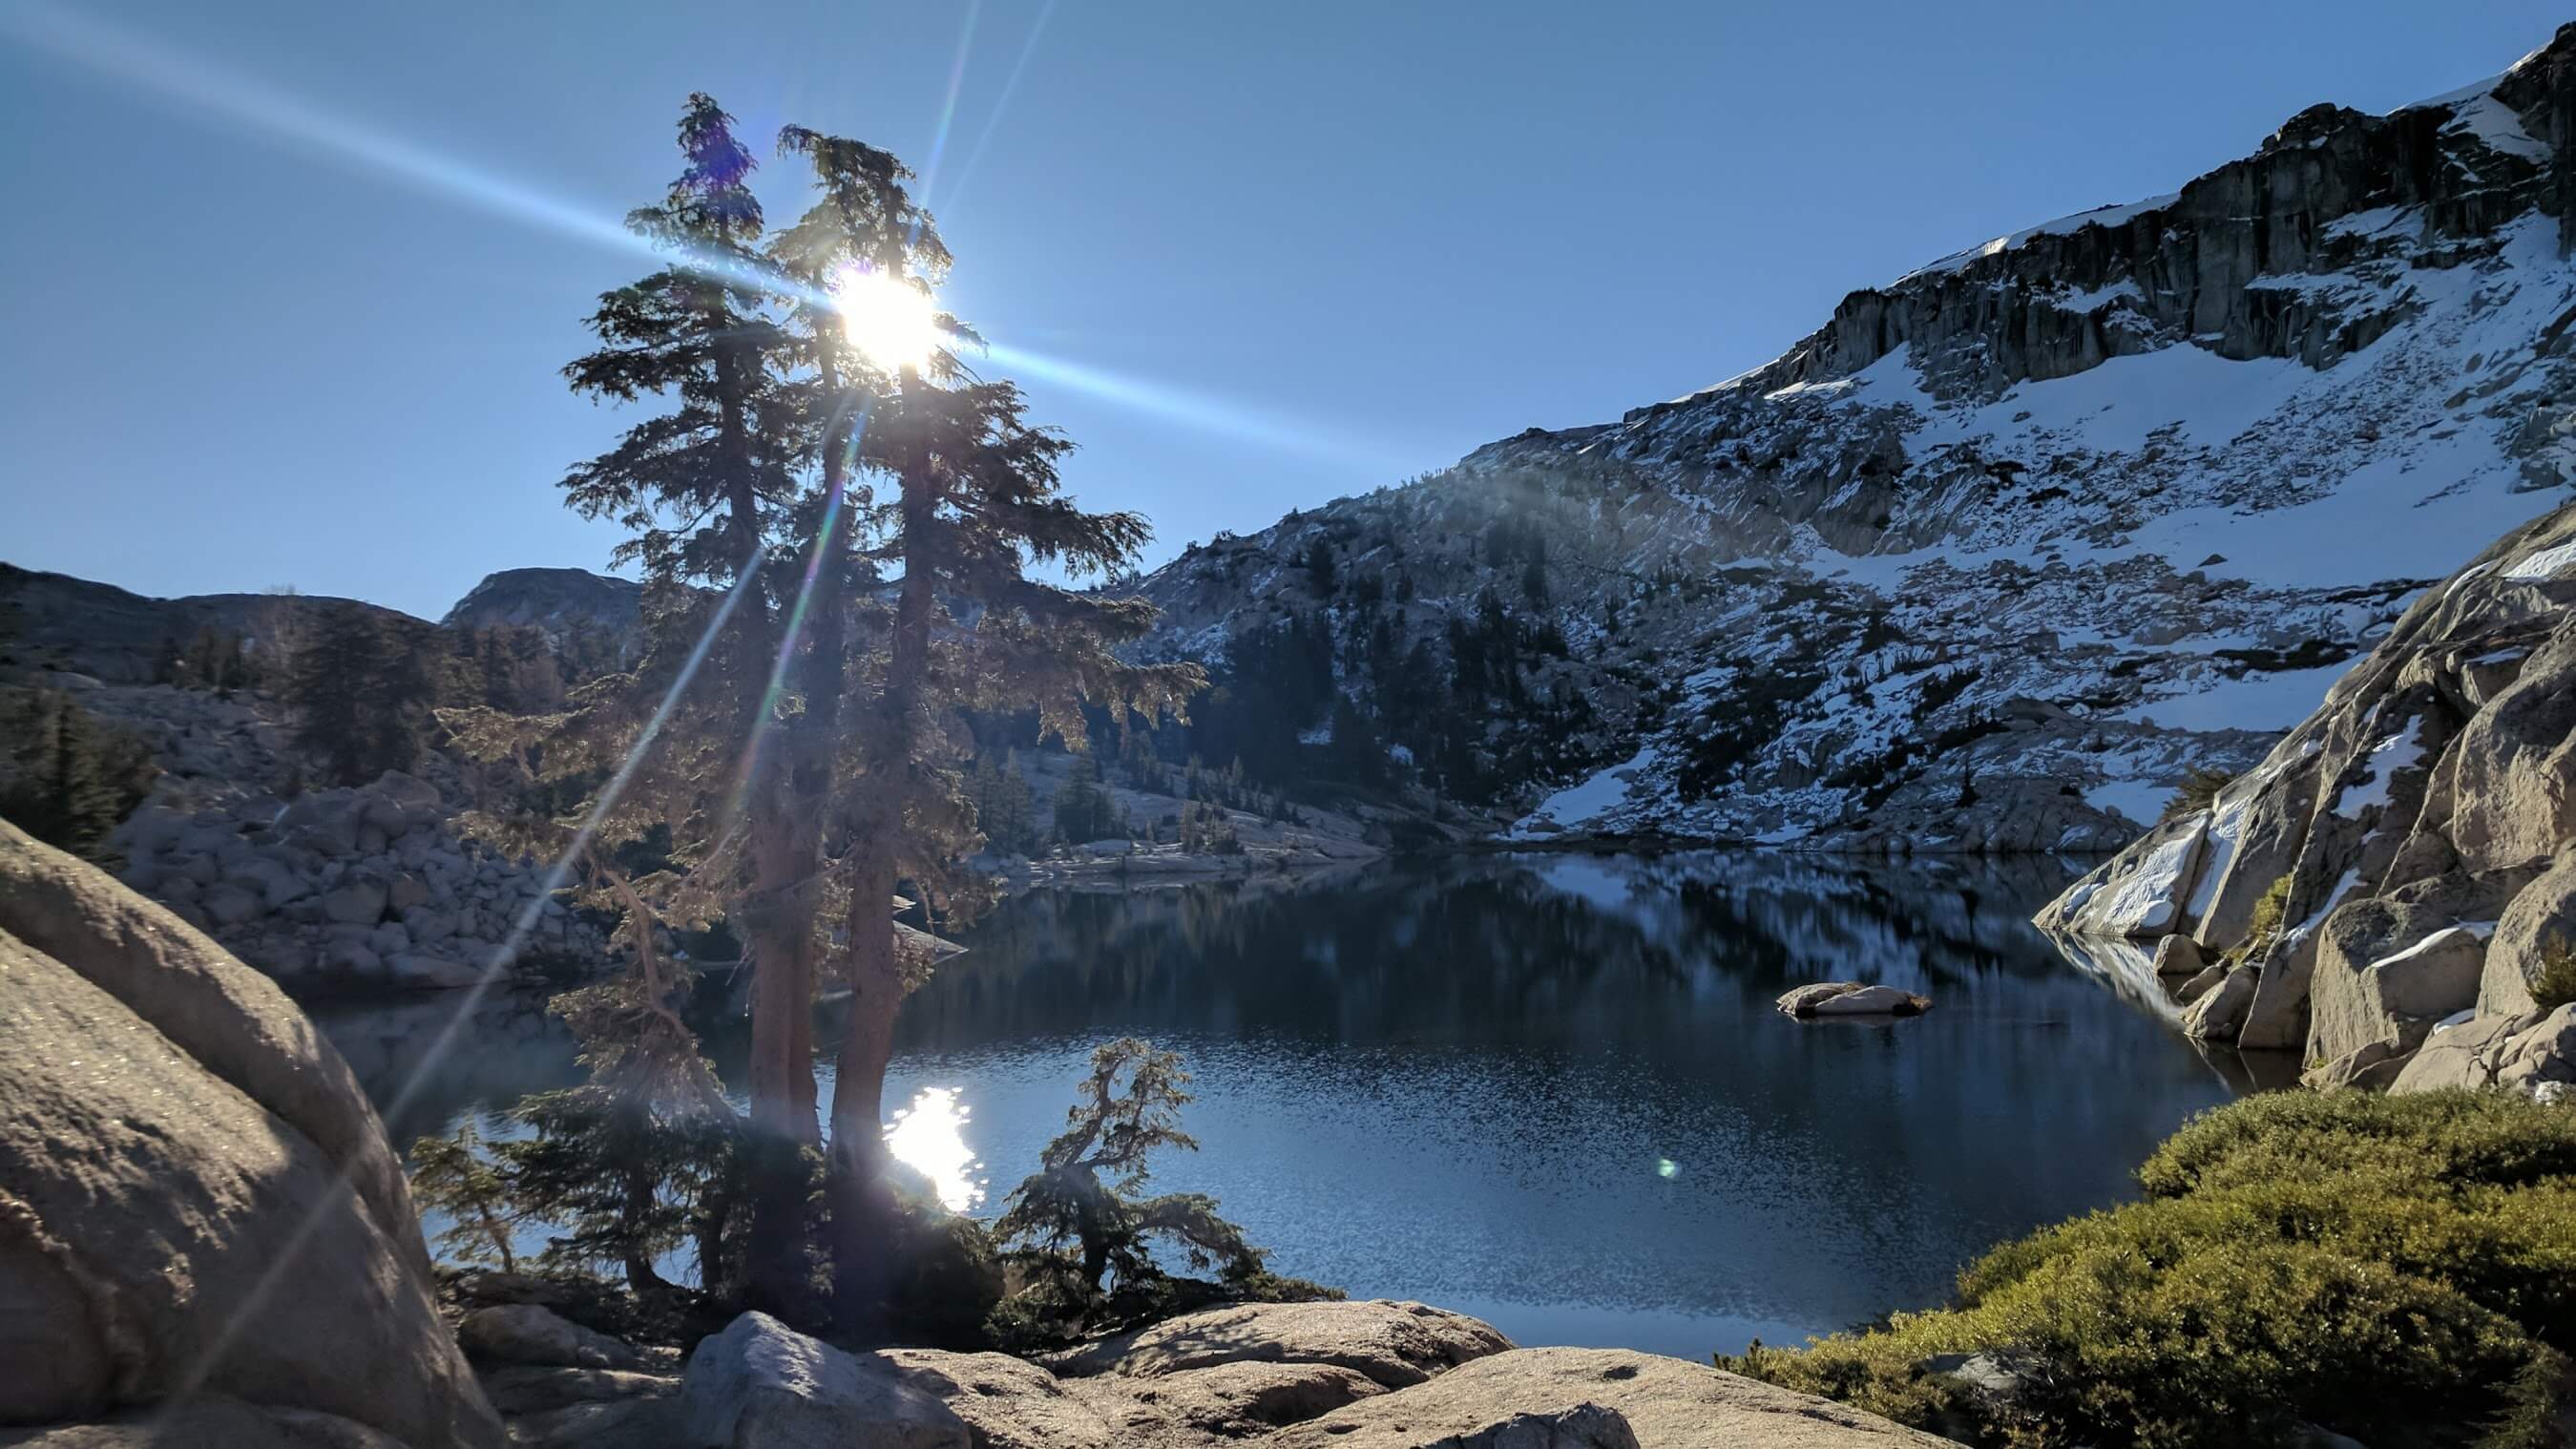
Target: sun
891,320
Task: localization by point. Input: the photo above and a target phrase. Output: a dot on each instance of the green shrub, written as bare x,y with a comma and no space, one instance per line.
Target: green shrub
2401,1268
2453,1140
2555,986
2263,925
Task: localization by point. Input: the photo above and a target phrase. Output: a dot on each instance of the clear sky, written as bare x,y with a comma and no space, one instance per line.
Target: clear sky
287,285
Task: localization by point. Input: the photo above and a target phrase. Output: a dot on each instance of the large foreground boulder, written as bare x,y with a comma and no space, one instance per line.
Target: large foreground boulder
1666,1403
194,1197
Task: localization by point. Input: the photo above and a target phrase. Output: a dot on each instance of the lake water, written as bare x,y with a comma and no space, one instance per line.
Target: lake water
1548,1090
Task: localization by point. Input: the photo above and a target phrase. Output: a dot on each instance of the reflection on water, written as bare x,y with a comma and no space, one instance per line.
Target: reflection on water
930,1138
1549,1089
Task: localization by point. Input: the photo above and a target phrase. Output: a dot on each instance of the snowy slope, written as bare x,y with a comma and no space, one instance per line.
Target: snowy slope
2013,541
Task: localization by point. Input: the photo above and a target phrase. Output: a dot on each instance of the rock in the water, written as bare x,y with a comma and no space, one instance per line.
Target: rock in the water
1851,998
2431,794
530,1334
178,1155
1667,1403
762,1385
1393,1343
2180,955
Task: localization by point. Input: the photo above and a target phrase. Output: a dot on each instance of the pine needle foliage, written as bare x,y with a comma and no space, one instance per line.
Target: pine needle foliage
2198,792
455,1176
67,778
1085,1235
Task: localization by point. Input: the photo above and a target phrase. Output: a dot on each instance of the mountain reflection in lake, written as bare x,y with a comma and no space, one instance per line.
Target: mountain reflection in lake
1549,1090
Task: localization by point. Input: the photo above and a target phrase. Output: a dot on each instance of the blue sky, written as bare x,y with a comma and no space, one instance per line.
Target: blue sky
287,285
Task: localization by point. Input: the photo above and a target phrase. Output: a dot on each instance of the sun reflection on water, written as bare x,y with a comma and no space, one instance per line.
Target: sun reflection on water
930,1137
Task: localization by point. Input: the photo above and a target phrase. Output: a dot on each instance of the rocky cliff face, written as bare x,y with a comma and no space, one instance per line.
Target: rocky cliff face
1989,559
2391,891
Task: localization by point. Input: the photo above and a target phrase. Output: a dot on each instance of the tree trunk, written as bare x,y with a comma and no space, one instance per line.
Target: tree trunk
865,1217
778,922
864,1213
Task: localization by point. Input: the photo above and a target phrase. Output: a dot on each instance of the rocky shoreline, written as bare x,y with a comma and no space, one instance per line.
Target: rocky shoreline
2391,893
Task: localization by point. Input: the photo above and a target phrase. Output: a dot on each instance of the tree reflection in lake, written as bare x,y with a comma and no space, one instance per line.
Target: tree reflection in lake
1551,1089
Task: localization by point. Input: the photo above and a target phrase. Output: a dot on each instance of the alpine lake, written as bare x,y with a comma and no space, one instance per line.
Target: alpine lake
1550,1090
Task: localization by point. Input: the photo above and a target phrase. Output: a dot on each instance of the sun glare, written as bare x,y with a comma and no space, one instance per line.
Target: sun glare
930,1137
892,321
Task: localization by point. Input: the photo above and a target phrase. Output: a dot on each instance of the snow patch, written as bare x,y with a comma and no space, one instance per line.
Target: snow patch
2143,901
2399,752
2548,563
2138,800
2256,702
1587,800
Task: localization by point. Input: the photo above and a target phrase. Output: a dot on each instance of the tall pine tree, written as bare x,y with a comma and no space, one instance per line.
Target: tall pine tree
703,488
974,502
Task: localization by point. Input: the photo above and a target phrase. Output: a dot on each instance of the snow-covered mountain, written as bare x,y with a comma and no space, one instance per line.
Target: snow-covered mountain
1993,556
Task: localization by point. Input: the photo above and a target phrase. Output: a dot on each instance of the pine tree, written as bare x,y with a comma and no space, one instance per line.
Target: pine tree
1081,1230
704,488
70,778
973,500
451,1175
362,691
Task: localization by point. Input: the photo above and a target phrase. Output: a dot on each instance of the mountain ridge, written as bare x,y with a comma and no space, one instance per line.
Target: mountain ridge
1928,579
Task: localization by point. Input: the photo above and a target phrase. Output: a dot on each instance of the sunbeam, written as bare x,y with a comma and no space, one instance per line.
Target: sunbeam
948,106
1001,105
508,951
1198,411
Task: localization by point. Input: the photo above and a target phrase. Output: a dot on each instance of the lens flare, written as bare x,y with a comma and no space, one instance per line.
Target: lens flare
893,321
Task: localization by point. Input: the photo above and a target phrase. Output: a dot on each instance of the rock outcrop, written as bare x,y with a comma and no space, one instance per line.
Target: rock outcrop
1395,1345
181,1156
1666,1403
1381,1375
2393,889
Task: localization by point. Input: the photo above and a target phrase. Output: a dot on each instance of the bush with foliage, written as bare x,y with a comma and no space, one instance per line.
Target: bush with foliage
1084,1237
2398,1268
2197,792
1207,830
2555,986
640,1160
2263,924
